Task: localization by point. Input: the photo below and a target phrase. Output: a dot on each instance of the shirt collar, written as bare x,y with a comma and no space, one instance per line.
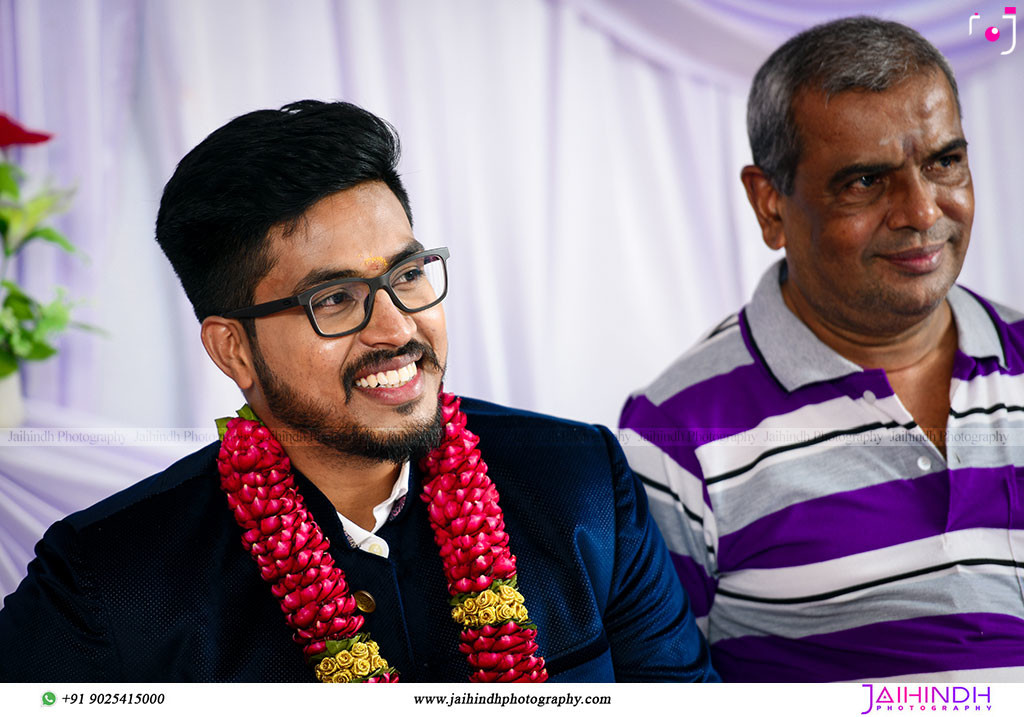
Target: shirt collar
360,537
976,329
796,357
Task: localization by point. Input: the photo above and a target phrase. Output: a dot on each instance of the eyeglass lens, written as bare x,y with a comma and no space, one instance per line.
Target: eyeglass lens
416,284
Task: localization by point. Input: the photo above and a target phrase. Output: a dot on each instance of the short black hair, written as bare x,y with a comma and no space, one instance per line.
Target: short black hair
854,53
259,171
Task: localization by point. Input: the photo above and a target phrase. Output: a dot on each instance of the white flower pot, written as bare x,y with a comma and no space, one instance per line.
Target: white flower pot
12,404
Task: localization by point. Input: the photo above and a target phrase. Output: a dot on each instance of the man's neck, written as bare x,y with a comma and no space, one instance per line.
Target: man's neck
896,351
355,486
918,361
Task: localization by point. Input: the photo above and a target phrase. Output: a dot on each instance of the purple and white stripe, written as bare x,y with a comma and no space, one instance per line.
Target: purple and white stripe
819,532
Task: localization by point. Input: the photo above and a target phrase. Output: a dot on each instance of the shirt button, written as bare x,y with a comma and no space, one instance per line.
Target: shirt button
924,463
376,549
364,601
869,396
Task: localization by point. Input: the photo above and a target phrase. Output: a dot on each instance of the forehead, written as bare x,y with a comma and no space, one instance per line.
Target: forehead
915,116
348,231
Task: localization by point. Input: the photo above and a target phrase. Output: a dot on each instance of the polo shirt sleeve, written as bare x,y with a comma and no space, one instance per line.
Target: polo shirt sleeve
649,623
662,455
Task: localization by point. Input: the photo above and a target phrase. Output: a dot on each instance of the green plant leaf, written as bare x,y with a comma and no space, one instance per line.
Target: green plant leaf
9,323
8,362
12,287
92,328
15,291
6,212
25,218
20,305
51,235
247,413
53,317
222,426
21,345
10,179
40,350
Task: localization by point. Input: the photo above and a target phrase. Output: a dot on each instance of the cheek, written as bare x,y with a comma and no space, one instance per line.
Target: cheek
958,204
279,342
312,359
330,355
431,324
844,241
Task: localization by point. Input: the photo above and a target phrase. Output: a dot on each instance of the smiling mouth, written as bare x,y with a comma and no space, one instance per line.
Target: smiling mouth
915,254
918,261
392,378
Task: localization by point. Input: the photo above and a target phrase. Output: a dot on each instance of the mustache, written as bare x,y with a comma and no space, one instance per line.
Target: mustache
428,357
919,240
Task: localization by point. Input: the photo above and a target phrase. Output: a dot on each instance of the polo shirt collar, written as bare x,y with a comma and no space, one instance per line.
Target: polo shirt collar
796,357
791,351
977,332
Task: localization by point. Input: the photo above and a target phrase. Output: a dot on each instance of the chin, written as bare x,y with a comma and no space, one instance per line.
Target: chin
930,295
422,407
897,311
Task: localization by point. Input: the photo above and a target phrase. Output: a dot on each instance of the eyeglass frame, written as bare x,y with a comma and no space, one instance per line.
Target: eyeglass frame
375,283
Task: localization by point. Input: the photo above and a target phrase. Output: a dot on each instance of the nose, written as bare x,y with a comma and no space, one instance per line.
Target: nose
915,206
388,325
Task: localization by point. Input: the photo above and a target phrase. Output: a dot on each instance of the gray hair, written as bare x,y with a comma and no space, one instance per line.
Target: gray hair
855,53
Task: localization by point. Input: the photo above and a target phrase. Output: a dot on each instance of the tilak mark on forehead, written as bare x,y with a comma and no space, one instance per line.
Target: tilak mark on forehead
377,263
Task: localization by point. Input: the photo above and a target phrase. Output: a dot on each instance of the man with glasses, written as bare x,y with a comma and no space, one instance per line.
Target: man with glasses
354,523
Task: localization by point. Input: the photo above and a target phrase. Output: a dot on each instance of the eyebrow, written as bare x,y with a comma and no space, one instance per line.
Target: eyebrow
325,275
862,170
951,146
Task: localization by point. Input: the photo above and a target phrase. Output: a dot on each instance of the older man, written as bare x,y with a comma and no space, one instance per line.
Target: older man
834,467
354,523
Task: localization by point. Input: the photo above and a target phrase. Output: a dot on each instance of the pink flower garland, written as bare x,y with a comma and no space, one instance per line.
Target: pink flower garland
470,531
287,544
292,554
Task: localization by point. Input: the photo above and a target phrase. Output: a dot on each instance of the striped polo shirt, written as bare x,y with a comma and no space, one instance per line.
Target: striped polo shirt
819,532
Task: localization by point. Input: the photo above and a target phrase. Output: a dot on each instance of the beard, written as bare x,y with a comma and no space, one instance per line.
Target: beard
316,420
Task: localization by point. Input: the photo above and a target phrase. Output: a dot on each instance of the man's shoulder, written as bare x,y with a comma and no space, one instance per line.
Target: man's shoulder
718,353
510,437
147,493
485,416
1011,317
1007,322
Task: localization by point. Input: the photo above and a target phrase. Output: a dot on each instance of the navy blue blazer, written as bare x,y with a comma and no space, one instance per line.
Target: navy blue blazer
153,584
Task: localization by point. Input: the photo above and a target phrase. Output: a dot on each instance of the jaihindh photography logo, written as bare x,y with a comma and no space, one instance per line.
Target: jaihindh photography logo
927,698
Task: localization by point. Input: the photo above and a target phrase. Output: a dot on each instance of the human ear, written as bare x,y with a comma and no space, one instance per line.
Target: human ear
228,345
765,199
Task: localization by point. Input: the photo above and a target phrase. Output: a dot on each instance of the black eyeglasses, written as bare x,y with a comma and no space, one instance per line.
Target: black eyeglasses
344,306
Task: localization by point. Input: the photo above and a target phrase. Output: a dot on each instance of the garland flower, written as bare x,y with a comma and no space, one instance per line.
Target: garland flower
293,556
497,637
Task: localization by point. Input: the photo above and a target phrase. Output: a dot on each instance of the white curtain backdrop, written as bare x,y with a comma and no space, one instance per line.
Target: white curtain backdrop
579,157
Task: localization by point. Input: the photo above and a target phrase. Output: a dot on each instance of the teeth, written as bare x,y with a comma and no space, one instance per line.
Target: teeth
388,379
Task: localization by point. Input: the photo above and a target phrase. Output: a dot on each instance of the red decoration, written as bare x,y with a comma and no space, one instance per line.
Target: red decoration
469,528
281,535
12,133
292,552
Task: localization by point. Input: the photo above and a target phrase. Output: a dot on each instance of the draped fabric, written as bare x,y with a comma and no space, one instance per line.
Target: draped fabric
579,157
